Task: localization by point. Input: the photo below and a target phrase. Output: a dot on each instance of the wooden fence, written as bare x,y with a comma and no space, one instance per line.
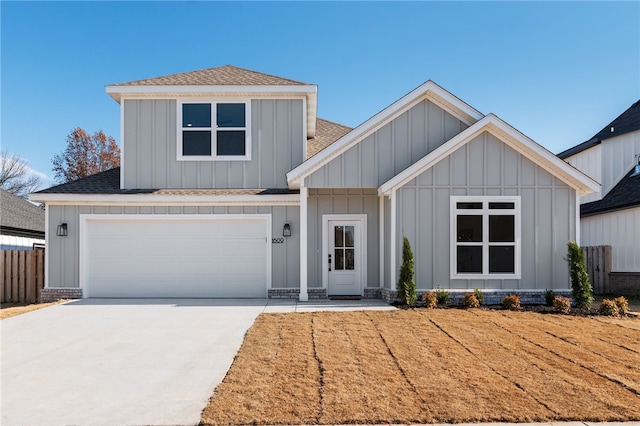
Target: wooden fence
598,260
21,276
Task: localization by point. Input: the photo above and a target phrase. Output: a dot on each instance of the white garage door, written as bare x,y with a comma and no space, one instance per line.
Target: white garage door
175,257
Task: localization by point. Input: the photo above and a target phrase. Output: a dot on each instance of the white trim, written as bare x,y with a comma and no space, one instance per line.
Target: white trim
485,212
47,246
577,219
214,129
362,255
122,145
83,220
381,241
428,90
304,193
516,140
150,199
392,241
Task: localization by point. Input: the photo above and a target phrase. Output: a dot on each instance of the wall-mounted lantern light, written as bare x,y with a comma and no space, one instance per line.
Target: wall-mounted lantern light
286,230
62,230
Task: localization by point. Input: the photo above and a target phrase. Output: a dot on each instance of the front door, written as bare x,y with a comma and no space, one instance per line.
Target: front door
344,261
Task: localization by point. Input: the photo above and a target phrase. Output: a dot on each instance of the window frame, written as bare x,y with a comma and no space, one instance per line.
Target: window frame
214,129
485,212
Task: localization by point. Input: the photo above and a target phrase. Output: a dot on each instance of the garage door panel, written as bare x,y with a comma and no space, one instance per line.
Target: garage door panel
176,257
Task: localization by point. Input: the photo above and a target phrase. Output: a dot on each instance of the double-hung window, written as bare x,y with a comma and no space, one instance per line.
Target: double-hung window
485,235
214,130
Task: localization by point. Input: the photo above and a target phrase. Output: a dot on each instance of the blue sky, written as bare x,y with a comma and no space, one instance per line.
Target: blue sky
557,71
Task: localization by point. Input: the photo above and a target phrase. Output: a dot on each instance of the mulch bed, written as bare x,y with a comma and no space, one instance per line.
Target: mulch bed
431,365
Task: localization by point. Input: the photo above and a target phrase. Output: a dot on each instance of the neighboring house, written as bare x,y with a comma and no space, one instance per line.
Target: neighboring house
230,186
21,223
612,216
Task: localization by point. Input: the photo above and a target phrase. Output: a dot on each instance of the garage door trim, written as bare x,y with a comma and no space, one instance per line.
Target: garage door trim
84,220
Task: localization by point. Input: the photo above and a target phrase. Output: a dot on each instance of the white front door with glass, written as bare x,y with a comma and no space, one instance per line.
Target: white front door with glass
343,257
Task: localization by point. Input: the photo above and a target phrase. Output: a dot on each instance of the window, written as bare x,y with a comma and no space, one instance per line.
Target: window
485,232
214,130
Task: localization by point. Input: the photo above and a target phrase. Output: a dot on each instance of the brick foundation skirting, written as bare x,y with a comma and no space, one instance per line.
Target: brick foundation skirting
624,283
52,294
491,297
294,293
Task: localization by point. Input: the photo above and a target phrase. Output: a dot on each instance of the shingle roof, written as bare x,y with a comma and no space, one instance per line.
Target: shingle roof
626,122
226,75
327,132
624,195
20,214
108,183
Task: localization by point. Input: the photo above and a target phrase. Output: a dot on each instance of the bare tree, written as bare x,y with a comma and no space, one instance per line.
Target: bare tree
15,175
85,155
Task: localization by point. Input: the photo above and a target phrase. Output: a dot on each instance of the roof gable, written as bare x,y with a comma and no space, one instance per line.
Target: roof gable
626,122
516,140
20,214
428,90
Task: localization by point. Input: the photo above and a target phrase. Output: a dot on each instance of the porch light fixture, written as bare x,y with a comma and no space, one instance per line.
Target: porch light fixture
62,230
286,230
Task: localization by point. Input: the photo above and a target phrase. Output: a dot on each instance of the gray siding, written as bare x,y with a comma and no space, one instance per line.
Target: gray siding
150,138
486,166
341,201
63,268
389,150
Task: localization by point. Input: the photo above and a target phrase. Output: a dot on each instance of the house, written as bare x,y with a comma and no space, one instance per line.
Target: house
231,186
611,216
21,223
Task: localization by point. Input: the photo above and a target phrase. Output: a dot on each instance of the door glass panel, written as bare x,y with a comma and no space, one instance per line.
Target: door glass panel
339,259
348,236
349,261
338,240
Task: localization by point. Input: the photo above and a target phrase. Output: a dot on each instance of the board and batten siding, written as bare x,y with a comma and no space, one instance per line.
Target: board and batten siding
390,149
150,148
63,268
620,230
341,201
484,167
589,162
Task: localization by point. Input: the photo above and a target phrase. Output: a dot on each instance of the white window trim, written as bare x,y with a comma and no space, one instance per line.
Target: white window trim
485,200
214,130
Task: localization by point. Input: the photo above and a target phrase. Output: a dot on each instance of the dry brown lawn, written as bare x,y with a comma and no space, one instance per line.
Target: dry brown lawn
423,366
8,310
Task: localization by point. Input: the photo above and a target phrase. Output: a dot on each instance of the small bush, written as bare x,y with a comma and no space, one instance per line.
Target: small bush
479,295
622,304
442,296
549,296
511,302
430,299
609,308
471,300
561,304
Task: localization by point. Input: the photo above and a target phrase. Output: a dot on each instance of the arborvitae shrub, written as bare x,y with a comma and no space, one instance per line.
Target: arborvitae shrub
580,284
430,299
406,284
511,302
609,308
470,300
562,304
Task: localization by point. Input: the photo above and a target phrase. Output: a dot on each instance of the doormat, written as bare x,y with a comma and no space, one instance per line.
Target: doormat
345,297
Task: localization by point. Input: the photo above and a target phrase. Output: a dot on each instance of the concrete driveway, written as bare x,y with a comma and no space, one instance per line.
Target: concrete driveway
119,362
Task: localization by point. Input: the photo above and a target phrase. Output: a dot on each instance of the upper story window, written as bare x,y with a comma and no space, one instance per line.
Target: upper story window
214,130
485,235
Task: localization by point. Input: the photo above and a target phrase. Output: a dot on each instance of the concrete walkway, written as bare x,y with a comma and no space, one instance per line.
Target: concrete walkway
127,361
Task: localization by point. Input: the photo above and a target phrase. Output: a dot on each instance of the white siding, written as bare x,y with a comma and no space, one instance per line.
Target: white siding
618,157
589,162
620,230
11,242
